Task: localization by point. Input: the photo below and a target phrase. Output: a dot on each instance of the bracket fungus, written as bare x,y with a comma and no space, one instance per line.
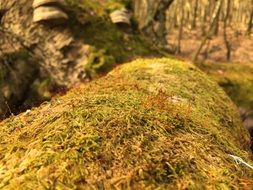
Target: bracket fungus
121,16
39,3
49,13
49,10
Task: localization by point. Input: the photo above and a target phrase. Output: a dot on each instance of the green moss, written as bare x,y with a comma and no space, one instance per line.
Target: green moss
112,5
236,79
3,71
149,124
101,33
98,62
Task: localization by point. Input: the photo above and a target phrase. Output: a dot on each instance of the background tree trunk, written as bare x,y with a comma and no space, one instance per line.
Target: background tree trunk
250,22
227,43
151,17
210,31
180,29
195,14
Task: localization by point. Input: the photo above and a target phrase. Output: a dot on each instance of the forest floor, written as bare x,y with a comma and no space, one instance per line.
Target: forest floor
214,50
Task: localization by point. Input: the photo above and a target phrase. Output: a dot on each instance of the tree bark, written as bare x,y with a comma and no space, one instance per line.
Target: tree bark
195,14
180,29
151,17
227,43
209,33
29,50
59,53
250,22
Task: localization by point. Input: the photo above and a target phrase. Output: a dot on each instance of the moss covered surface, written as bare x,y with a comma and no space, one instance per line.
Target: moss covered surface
91,23
236,79
149,124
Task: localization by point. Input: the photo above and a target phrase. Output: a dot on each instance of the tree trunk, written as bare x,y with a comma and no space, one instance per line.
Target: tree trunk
209,33
227,43
181,27
250,22
195,14
55,47
151,17
29,50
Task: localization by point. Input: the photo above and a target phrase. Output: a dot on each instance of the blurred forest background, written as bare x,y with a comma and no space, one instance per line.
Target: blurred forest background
216,30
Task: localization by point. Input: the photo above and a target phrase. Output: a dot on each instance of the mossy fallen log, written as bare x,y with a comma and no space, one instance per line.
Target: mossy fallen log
149,124
237,81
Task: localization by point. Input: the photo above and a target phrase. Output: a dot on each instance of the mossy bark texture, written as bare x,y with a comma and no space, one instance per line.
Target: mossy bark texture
60,54
30,51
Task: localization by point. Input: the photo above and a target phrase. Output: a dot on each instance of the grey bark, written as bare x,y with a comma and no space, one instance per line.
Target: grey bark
61,55
180,29
151,17
209,33
50,49
250,22
227,43
195,14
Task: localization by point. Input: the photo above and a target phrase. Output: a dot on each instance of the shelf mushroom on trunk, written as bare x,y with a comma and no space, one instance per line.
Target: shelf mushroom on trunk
49,11
39,3
121,18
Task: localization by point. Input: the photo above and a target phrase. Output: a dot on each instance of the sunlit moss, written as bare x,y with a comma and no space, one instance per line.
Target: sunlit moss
236,79
149,124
